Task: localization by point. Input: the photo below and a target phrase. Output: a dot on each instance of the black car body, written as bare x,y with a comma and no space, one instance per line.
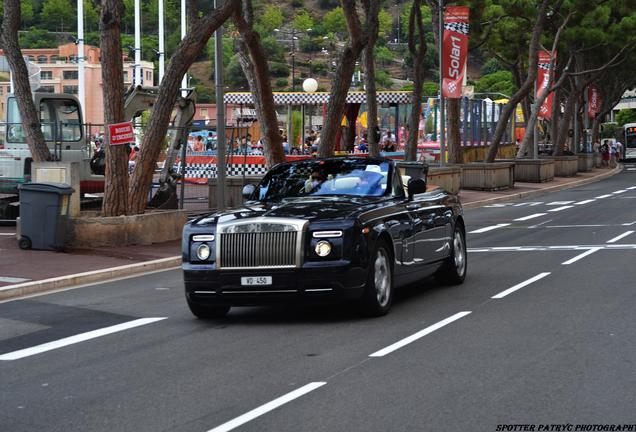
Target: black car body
336,228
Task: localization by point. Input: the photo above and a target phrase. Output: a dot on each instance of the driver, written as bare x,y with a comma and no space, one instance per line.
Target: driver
314,181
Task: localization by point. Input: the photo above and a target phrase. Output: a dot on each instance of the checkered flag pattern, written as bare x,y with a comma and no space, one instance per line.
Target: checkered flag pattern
318,98
544,66
457,27
209,170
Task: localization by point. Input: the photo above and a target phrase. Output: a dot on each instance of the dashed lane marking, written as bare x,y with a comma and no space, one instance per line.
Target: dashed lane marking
521,285
622,236
420,334
489,228
559,203
584,202
269,406
580,257
532,216
82,337
604,196
558,209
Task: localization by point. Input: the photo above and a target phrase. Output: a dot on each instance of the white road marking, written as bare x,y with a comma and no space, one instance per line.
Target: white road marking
619,192
604,196
560,208
622,236
530,204
580,257
497,205
584,202
521,285
631,169
269,406
7,234
532,216
539,224
554,248
8,279
559,203
578,226
631,188
418,335
489,228
82,337
629,224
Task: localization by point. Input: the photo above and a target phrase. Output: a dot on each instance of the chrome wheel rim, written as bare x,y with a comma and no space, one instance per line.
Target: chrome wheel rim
459,253
382,278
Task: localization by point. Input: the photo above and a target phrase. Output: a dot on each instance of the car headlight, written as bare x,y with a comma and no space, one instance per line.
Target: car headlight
203,252
323,248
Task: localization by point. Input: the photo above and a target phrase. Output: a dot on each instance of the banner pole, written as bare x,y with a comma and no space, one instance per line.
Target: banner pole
442,107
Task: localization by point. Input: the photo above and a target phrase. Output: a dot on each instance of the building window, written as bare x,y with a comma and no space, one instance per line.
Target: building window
69,75
54,58
1,90
204,112
70,89
46,89
125,75
46,75
43,59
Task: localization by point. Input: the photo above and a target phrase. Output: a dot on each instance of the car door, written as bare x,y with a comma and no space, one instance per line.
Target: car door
430,228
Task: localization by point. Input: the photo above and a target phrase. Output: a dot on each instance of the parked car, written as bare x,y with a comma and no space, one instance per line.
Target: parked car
324,229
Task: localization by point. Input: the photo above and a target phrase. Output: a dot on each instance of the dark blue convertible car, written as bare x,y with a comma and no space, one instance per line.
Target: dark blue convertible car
324,229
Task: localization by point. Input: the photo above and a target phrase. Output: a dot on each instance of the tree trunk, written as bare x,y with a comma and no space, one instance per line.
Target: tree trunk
455,151
504,117
254,63
372,9
29,113
116,185
186,53
342,82
417,48
566,121
556,119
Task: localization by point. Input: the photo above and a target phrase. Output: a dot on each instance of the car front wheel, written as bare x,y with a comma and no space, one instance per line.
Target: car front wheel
378,294
202,311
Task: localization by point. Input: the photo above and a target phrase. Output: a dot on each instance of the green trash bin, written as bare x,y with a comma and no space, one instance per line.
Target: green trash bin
43,215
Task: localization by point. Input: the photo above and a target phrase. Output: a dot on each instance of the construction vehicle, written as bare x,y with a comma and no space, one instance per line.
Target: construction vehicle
64,131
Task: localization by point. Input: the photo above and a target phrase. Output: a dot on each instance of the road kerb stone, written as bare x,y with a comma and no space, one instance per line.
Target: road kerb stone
103,275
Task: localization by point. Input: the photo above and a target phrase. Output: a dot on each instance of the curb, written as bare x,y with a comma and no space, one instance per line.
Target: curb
36,287
528,194
11,292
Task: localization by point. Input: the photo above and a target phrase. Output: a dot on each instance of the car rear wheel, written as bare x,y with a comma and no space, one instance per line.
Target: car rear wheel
453,271
202,311
378,294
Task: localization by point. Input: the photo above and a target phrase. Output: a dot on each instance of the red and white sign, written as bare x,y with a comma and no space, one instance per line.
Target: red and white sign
454,50
593,101
543,83
121,133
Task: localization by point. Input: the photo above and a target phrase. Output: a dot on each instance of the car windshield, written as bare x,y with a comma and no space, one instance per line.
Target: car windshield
351,177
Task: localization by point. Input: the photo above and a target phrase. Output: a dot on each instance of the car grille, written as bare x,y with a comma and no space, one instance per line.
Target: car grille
258,249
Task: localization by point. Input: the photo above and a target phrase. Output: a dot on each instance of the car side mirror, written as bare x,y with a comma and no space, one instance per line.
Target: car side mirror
248,190
416,186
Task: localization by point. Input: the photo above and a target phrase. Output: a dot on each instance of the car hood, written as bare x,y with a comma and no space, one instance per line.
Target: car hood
312,209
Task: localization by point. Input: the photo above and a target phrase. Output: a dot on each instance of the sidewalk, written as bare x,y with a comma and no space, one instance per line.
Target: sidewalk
28,272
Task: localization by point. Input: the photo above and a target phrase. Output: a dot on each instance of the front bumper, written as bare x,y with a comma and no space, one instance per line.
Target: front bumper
339,281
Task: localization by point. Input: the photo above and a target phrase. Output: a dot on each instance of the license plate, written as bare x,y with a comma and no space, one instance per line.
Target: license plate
256,280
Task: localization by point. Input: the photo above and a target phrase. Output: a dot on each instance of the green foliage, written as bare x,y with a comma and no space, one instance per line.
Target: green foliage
271,18
235,78
280,83
625,116
383,55
334,21
273,49
278,70
58,15
319,68
309,44
386,23
429,127
498,82
491,66
204,94
430,88
297,121
383,80
426,19
608,130
38,38
303,21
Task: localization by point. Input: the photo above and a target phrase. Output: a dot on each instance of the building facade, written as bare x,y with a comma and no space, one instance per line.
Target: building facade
59,74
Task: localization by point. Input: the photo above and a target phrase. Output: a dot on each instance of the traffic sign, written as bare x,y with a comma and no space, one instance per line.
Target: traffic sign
121,133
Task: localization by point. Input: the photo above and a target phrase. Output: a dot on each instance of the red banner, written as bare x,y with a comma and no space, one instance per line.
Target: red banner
593,101
454,50
543,82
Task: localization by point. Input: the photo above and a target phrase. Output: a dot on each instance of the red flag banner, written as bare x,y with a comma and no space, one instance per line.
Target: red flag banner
593,101
543,81
454,50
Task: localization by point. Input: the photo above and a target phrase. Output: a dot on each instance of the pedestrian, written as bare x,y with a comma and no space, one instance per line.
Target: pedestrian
619,150
605,154
198,144
613,154
209,142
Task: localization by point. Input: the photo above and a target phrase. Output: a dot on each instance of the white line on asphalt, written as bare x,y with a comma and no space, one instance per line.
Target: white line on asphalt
539,224
490,228
8,279
560,208
604,196
578,226
521,285
418,335
622,236
619,192
82,337
584,202
532,216
580,257
269,406
631,188
530,204
631,169
630,223
559,203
